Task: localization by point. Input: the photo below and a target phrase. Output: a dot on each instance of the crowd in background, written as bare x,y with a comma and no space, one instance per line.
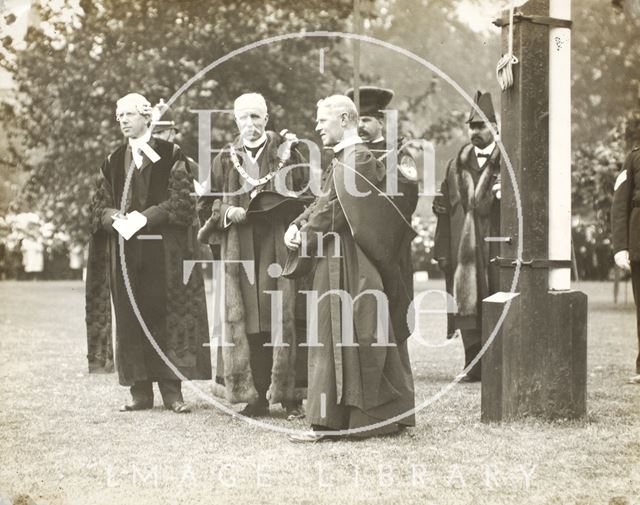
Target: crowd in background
31,248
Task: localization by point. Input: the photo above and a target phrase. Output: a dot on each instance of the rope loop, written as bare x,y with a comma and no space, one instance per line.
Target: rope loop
504,70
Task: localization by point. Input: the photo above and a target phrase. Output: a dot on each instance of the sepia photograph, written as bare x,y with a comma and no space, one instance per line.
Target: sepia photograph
320,252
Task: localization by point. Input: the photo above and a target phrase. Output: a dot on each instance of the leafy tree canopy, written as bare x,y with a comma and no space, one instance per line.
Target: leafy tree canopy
80,58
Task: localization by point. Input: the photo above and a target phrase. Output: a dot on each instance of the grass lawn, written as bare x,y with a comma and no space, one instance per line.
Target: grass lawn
63,441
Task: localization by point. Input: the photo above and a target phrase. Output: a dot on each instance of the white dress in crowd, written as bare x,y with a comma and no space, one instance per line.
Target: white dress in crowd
32,255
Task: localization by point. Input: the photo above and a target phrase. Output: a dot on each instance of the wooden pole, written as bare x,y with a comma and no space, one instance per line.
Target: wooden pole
357,26
536,364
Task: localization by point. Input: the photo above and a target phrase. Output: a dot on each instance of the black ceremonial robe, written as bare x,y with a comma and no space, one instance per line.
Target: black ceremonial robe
173,310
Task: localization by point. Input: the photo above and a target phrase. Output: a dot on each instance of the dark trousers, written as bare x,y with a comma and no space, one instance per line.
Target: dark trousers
261,362
171,391
635,283
472,342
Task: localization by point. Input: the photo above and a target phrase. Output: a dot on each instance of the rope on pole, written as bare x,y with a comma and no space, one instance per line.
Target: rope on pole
504,70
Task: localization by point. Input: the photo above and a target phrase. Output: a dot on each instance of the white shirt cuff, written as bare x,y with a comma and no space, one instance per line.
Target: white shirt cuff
225,221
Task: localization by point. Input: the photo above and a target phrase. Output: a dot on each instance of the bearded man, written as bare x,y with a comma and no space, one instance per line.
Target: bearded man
468,211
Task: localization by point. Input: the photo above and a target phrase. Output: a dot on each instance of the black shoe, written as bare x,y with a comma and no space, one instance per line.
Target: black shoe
466,378
96,367
136,406
310,437
255,410
294,412
180,407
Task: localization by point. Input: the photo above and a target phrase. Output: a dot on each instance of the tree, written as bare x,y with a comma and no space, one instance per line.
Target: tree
605,74
596,166
81,57
432,29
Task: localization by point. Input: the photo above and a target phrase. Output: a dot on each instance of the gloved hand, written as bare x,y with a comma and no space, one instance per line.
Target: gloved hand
292,237
622,260
495,189
236,215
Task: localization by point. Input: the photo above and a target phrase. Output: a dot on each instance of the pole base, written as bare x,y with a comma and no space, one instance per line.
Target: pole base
536,364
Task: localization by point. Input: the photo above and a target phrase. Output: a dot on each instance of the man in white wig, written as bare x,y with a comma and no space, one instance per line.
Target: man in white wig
144,187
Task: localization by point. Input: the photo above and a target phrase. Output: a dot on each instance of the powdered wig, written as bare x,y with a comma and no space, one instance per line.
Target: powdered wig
341,104
136,101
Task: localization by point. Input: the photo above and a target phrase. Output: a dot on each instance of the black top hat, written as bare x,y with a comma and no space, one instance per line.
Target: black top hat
484,103
372,100
162,118
269,203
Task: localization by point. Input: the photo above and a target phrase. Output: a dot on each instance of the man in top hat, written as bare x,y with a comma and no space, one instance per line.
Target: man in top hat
371,128
256,369
145,182
356,382
468,211
373,101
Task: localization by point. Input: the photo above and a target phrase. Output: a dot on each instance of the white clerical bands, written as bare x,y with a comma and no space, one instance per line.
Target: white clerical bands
146,149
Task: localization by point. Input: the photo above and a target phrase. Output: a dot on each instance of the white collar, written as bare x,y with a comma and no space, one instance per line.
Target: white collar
255,143
350,140
487,150
136,143
141,145
379,139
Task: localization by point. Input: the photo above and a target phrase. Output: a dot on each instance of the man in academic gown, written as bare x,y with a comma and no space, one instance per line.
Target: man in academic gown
359,372
149,178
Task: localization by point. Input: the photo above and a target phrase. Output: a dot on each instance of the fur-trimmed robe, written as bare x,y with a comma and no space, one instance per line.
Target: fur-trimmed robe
234,379
174,311
467,212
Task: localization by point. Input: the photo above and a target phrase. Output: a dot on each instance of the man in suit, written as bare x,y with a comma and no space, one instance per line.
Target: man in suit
148,178
625,226
468,211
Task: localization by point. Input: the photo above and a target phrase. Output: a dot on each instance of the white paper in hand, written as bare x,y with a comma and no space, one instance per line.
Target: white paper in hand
130,224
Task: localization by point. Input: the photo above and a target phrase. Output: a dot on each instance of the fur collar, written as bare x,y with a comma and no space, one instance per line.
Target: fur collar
464,156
